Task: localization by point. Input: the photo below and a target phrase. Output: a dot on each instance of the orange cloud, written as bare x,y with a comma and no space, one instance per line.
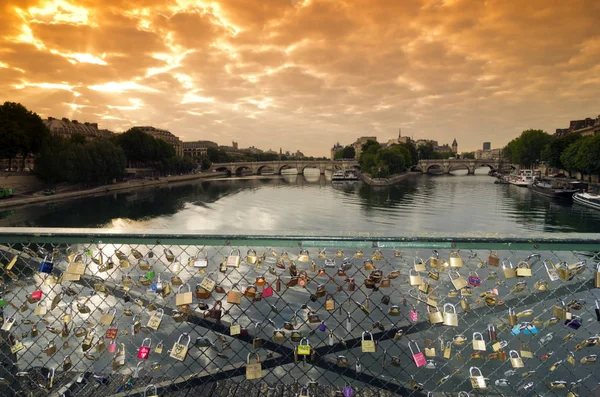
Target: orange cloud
306,73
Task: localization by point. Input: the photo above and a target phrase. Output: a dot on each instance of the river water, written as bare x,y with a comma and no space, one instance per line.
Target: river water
296,204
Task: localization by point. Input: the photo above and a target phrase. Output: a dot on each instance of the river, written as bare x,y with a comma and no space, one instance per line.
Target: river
296,204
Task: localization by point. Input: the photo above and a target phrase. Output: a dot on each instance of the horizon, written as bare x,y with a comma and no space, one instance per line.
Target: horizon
306,73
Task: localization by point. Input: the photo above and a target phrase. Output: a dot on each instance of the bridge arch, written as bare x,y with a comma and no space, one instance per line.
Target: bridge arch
264,168
313,166
284,167
435,166
240,169
223,169
461,166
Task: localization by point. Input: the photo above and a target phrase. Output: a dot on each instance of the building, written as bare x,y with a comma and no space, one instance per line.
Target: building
400,139
454,146
491,154
164,135
445,148
585,127
197,148
65,128
360,142
335,148
487,145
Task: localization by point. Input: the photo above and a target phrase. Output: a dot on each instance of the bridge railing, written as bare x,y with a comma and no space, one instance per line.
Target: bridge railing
93,312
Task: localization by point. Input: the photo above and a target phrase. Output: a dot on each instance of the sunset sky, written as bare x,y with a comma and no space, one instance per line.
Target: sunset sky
303,74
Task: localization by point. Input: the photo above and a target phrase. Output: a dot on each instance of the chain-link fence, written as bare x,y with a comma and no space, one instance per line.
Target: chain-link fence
145,315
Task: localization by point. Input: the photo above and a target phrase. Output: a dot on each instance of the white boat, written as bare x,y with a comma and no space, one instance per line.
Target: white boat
587,199
524,179
347,175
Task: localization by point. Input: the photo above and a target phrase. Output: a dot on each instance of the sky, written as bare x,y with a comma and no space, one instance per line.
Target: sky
305,74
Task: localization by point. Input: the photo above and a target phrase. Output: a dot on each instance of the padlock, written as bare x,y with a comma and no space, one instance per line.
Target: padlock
465,305
67,364
34,331
413,315
112,346
419,265
393,311
385,282
448,350
253,370
415,278
234,297
135,326
512,317
523,269
303,348
494,259
233,259
458,282
450,318
296,336
597,310
455,260
478,342
474,279
251,257
559,311
257,341
144,350
159,348
179,350
368,345
183,298
477,379
40,309
201,259
8,324
385,300
551,270
507,269
515,359
574,322
429,348
329,303
108,318
525,351
435,316
434,260
417,355
597,276
47,264
492,333
119,358
434,274
155,319
50,349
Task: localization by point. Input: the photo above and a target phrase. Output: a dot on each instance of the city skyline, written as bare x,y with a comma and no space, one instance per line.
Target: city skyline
305,73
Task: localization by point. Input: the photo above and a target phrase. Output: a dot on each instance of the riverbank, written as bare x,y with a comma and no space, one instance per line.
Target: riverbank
105,189
393,179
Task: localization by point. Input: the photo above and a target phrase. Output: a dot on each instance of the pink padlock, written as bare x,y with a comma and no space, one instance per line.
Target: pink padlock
144,351
112,346
414,315
418,357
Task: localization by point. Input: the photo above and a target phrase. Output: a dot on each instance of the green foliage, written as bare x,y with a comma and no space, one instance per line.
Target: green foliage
22,132
140,148
426,151
382,162
553,150
96,162
526,150
583,156
205,163
414,155
346,153
468,155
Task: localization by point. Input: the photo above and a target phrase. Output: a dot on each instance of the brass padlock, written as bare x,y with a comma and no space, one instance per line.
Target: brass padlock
415,278
419,265
515,359
450,317
435,316
434,260
478,342
458,281
507,269
429,348
329,303
523,269
597,276
455,260
494,259
512,317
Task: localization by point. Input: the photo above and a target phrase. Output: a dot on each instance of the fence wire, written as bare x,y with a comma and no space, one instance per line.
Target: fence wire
133,319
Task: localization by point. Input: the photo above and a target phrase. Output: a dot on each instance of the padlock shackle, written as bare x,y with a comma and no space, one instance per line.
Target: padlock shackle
234,250
189,339
137,367
504,262
450,305
473,369
304,339
149,342
366,332
475,334
410,347
418,261
148,387
162,312
253,354
411,271
515,353
463,393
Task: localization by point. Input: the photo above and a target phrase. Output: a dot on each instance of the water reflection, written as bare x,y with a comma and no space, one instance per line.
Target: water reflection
314,204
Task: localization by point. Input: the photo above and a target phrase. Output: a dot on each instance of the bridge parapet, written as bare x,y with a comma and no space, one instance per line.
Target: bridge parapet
448,165
257,167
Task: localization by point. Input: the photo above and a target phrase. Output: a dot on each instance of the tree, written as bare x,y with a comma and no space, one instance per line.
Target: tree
21,132
526,150
468,155
426,151
391,159
346,153
367,156
414,155
553,150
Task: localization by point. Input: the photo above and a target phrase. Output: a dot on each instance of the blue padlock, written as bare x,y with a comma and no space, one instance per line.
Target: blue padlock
47,265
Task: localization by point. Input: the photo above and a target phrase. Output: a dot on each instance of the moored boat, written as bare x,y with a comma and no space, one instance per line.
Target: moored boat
547,188
524,179
587,199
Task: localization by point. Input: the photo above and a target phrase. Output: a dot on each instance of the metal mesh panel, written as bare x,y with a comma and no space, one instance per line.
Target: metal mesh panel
329,298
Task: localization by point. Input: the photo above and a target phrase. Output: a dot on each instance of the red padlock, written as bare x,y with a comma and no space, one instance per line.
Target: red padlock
144,351
418,357
111,332
267,292
36,296
112,346
474,279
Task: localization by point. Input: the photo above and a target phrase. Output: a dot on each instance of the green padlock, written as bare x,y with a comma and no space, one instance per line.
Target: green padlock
150,274
3,302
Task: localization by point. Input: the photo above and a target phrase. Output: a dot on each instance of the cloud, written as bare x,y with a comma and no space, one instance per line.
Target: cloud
305,74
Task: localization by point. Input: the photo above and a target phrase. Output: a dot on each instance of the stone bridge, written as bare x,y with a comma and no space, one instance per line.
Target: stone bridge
259,167
426,166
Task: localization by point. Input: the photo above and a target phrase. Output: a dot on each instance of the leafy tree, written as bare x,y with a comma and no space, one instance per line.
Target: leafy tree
205,163
526,149
391,159
414,155
367,156
468,155
78,138
21,132
426,151
553,150
346,153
